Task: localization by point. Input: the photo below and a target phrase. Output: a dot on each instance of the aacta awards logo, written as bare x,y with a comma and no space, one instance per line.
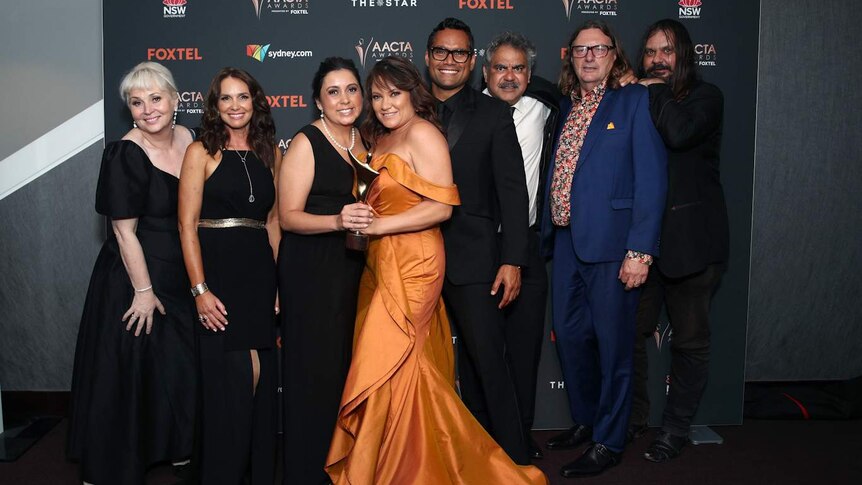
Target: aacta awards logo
173,54
290,7
485,4
591,7
689,9
174,9
374,51
191,102
383,3
705,55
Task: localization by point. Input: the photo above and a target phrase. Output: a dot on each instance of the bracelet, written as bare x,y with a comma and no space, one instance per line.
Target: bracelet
200,289
144,289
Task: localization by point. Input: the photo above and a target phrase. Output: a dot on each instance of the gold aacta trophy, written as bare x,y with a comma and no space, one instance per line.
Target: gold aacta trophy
364,176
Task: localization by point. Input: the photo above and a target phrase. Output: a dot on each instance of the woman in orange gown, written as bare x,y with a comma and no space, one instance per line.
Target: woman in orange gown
400,420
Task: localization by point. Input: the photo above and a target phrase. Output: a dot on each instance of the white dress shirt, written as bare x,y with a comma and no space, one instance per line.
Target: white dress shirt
530,116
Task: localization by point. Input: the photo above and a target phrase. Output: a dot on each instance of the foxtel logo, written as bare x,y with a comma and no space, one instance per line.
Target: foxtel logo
257,51
173,54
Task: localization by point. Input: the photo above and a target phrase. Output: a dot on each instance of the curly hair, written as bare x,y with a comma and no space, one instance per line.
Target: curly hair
569,81
403,75
261,130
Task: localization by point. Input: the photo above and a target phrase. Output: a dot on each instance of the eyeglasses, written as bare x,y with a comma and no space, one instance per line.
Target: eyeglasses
598,50
459,55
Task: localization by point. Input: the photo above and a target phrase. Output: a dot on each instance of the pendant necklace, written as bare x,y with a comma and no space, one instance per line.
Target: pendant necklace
250,186
335,142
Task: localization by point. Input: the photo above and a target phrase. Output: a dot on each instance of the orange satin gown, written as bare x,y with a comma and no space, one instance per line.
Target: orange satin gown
400,420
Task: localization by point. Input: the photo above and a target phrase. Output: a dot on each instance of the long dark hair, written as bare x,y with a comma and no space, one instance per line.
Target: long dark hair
569,81
403,75
684,72
328,65
261,129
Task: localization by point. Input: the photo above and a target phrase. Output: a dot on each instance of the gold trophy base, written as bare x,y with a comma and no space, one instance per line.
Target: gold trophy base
356,241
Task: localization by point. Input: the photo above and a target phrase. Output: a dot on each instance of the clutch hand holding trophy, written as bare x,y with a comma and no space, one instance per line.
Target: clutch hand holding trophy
364,176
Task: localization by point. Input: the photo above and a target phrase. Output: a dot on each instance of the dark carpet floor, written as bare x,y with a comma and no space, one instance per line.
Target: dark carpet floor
756,453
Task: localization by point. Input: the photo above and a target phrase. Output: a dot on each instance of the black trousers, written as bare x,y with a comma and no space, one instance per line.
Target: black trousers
523,333
489,391
688,300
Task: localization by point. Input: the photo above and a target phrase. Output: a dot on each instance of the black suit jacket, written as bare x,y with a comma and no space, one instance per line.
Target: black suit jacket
489,172
548,94
695,227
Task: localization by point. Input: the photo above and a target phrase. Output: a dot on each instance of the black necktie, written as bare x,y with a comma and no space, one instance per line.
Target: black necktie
512,111
443,114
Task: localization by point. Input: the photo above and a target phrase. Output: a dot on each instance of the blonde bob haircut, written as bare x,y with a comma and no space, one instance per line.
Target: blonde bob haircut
148,75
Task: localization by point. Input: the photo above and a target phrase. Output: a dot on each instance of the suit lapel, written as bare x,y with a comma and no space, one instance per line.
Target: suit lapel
597,126
461,117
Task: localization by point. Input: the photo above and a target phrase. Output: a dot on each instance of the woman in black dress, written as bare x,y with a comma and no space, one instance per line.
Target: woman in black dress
318,276
133,383
229,233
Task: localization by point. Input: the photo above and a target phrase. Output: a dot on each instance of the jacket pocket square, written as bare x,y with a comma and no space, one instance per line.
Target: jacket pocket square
611,126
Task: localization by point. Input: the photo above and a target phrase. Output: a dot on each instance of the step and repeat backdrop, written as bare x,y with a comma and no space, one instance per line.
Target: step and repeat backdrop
281,43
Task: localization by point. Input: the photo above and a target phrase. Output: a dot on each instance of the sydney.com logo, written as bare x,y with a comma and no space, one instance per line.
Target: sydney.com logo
260,53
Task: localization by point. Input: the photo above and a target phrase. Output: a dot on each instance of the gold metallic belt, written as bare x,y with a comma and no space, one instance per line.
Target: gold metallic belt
231,222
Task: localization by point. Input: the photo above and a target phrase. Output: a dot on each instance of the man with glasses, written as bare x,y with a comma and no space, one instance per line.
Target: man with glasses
688,114
486,238
534,102
601,220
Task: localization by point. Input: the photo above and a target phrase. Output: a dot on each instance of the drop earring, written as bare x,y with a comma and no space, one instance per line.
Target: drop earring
174,122
134,124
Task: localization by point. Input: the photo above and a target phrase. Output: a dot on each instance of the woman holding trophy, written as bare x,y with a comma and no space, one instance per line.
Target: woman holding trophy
399,406
318,274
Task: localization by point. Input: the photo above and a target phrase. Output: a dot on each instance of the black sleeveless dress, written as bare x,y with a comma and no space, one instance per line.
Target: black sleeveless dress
237,421
238,262
133,398
318,284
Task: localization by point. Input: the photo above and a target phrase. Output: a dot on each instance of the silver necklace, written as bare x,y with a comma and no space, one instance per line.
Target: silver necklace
334,141
250,186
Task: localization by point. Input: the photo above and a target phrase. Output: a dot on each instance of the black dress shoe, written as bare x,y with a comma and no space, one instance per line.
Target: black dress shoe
665,447
635,431
596,459
571,438
533,449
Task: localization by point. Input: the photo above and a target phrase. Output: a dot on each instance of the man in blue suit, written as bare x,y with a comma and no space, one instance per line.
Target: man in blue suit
604,202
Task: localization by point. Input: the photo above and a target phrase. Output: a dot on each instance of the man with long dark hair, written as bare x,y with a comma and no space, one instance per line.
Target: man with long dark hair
600,222
694,240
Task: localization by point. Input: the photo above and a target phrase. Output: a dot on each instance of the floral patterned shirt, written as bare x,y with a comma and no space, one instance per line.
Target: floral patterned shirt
568,151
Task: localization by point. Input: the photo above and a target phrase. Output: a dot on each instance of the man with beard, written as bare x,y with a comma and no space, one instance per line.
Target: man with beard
486,239
694,239
534,102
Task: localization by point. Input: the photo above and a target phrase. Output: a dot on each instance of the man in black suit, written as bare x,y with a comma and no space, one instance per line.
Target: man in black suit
694,239
534,103
486,239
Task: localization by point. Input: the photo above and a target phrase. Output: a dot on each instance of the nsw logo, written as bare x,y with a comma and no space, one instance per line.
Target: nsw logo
689,9
174,9
257,51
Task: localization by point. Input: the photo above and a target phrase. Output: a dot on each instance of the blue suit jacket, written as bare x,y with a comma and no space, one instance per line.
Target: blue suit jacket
619,185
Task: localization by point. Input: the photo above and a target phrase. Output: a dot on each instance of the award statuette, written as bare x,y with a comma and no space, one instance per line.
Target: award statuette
364,176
